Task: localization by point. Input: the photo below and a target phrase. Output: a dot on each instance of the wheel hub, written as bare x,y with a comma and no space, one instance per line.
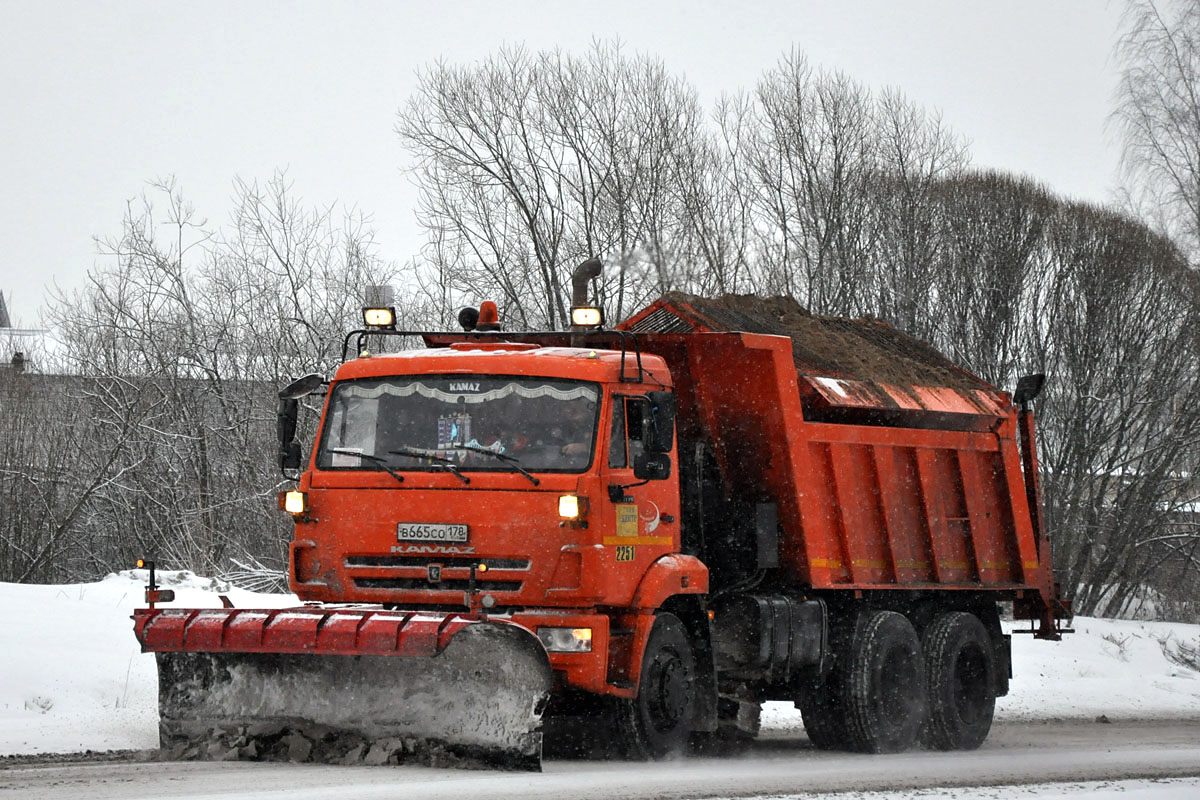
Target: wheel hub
671,691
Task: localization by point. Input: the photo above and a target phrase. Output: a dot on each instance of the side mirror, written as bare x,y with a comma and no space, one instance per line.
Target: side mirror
658,424
652,467
289,456
301,387
1028,387
285,428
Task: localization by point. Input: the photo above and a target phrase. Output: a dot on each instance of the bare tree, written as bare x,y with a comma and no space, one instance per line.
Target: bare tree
1125,403
176,349
919,156
1158,115
992,263
809,160
839,183
530,163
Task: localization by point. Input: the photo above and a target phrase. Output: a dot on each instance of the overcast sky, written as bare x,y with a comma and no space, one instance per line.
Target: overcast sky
100,97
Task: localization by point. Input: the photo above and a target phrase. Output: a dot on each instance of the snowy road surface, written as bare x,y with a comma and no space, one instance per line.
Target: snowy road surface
1016,753
72,679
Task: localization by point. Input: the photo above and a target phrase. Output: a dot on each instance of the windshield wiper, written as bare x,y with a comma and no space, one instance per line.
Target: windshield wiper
511,461
447,463
381,463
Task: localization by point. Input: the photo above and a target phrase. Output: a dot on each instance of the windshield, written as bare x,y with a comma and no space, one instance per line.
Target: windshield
470,422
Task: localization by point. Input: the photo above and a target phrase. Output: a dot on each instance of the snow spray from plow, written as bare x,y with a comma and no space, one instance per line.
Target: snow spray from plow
342,685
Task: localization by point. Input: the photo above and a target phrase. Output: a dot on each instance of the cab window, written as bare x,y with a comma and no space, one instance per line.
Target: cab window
625,440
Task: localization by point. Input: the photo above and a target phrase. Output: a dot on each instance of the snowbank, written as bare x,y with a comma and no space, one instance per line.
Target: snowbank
74,679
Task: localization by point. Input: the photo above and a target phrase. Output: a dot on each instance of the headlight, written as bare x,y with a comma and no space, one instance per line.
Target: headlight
587,317
568,506
379,317
566,640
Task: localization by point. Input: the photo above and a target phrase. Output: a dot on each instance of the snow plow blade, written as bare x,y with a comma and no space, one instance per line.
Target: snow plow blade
353,683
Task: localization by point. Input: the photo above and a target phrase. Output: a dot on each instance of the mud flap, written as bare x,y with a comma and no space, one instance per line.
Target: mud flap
481,697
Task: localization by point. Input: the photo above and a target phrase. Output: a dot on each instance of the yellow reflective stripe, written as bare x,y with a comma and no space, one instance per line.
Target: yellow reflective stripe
638,540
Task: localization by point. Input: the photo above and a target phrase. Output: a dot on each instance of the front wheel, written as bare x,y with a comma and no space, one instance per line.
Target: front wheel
657,722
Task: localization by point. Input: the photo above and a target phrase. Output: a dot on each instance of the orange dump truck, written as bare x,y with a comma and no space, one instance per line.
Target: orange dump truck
661,526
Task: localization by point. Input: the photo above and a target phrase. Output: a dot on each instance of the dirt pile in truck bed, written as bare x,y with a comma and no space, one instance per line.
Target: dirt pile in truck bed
858,349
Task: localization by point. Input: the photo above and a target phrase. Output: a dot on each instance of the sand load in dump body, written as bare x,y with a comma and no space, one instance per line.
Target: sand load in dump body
890,466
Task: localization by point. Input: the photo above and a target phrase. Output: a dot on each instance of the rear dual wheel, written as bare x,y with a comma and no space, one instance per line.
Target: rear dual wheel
884,684
891,688
960,671
873,699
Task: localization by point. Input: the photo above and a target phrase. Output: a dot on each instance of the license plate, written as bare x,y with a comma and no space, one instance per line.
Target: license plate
430,532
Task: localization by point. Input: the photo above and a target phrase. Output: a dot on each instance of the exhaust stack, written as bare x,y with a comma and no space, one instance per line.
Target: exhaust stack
579,280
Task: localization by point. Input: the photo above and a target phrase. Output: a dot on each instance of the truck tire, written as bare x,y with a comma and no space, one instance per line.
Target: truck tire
657,722
820,704
960,679
884,698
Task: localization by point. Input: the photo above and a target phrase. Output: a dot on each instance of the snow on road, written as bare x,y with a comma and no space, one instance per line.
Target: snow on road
74,680
1170,789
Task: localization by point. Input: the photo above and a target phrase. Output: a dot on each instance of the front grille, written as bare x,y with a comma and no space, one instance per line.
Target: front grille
446,560
421,584
411,573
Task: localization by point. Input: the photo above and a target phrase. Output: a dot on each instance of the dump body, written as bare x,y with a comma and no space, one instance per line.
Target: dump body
878,485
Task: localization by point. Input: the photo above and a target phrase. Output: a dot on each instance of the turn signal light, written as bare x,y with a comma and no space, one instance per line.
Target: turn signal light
572,506
295,502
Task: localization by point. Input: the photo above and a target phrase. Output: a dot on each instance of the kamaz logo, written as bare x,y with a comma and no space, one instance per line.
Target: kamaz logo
433,549
464,387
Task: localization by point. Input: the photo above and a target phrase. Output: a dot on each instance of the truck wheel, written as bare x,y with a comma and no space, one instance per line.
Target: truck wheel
960,675
820,704
884,684
657,722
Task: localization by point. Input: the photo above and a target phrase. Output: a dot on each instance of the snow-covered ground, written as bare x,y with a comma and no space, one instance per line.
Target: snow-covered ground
73,677
74,680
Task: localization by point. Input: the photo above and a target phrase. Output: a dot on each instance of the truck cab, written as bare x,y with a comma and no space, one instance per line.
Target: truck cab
511,479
